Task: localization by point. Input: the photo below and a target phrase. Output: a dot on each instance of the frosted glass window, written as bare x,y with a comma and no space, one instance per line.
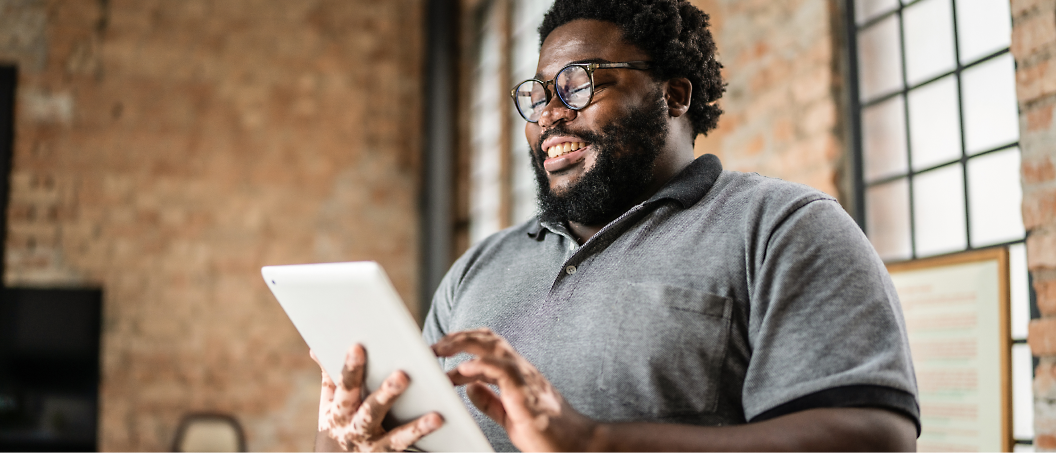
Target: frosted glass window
1019,289
487,109
929,40
524,39
879,59
868,9
934,124
1022,392
884,139
938,211
983,27
991,115
995,195
887,219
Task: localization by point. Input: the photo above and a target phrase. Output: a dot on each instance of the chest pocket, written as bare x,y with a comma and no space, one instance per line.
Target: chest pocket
666,357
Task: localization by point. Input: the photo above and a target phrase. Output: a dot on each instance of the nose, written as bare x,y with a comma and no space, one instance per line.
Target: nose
555,112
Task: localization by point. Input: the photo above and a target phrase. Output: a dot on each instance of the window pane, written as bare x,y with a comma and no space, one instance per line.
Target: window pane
938,211
983,27
934,125
991,115
995,195
1018,287
879,59
929,40
524,42
884,139
887,219
868,9
486,135
1022,392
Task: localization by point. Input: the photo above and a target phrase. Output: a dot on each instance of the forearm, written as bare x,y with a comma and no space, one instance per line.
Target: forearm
837,429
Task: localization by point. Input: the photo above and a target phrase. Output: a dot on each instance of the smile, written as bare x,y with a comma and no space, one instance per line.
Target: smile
563,148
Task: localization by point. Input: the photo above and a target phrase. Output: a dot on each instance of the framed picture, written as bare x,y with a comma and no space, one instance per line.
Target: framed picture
956,311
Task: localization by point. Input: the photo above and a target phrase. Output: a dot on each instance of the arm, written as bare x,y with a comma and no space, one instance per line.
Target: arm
537,418
835,429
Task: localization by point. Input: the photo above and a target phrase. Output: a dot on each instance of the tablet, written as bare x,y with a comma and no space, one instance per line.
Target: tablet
336,305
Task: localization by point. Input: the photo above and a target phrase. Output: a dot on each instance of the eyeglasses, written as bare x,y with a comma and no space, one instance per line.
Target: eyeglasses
574,85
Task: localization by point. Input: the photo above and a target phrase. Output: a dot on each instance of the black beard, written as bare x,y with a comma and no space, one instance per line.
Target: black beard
626,153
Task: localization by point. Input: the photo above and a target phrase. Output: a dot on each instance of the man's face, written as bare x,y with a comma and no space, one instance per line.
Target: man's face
620,133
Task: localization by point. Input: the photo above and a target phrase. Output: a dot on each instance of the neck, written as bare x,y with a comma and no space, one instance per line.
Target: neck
667,166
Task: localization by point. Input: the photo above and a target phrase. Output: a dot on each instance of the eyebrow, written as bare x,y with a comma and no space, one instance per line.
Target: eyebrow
588,60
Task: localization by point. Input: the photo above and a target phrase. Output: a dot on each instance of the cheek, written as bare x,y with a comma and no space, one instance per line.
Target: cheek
531,132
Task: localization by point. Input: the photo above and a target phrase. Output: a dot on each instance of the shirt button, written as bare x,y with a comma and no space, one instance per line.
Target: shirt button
571,245
570,270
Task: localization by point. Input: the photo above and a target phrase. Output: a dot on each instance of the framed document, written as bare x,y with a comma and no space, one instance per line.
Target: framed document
957,319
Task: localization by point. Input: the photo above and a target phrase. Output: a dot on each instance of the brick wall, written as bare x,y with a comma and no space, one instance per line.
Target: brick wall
1034,48
165,150
782,102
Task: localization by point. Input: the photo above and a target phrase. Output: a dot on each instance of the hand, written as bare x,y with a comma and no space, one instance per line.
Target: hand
534,415
350,423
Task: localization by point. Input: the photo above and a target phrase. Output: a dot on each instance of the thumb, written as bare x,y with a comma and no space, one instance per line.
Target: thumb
488,402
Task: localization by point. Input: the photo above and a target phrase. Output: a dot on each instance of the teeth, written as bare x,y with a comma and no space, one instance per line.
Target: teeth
563,148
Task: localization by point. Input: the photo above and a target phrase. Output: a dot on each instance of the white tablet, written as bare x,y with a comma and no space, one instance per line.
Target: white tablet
336,305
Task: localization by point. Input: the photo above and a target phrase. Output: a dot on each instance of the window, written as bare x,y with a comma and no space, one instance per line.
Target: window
506,49
937,142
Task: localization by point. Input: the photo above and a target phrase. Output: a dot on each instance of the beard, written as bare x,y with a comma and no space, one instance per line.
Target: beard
626,153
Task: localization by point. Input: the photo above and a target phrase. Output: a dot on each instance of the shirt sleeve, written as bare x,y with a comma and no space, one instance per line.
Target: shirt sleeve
438,319
826,327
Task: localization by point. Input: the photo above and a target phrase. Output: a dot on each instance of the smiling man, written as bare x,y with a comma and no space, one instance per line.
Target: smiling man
657,302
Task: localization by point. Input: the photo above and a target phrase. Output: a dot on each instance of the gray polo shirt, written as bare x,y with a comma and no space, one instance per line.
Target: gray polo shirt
725,298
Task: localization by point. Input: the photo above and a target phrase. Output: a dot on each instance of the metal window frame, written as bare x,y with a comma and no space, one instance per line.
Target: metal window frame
857,106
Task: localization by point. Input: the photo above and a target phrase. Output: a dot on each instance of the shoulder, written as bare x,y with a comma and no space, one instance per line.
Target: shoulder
764,191
502,245
766,203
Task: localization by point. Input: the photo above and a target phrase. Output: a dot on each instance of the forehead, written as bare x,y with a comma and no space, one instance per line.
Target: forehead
585,39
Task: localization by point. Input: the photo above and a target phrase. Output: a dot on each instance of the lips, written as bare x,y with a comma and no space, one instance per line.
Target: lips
565,159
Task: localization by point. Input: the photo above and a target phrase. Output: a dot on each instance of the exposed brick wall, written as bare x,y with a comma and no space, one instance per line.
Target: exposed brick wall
1034,48
165,150
782,100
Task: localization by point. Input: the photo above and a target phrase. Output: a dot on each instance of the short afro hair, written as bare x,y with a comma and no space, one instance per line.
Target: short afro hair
673,33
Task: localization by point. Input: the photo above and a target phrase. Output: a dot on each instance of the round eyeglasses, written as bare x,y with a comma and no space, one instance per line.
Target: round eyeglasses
574,85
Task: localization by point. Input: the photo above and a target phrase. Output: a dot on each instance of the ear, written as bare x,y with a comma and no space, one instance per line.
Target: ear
678,93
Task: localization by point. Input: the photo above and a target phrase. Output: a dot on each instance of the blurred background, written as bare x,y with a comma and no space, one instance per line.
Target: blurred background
156,154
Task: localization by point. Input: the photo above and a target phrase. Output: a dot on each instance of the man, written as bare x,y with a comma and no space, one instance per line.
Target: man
657,302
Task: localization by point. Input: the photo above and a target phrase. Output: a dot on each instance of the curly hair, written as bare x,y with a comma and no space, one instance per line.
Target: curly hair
673,33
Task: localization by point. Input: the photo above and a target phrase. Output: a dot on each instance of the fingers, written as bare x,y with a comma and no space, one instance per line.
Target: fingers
403,437
500,372
487,401
480,342
326,394
349,394
372,411
355,364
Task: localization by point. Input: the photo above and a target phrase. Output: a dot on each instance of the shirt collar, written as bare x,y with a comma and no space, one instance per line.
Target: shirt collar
686,188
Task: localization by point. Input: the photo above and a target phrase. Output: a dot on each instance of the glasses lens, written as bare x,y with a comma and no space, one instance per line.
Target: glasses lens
574,87
530,98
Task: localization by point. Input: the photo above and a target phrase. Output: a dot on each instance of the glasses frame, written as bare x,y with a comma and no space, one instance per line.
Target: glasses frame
589,67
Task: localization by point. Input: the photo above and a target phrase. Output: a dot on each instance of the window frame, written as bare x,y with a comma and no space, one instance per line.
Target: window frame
855,131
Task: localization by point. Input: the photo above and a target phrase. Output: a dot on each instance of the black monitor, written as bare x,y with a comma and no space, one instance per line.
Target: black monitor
49,369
